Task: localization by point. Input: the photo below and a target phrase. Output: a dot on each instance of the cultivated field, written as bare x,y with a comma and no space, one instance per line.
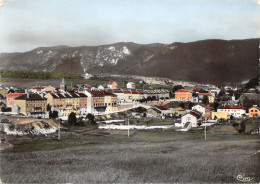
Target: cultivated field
147,156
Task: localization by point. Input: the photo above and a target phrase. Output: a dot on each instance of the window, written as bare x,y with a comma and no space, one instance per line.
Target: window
188,119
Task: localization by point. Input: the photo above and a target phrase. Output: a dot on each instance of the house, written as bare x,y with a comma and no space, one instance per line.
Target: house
153,112
3,92
204,110
191,117
57,103
130,85
75,102
10,98
100,87
183,95
110,100
211,98
112,85
158,93
197,90
164,110
38,89
233,110
32,105
219,115
254,111
49,89
83,103
178,111
69,105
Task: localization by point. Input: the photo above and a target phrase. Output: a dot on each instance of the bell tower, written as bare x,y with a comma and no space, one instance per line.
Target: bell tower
62,84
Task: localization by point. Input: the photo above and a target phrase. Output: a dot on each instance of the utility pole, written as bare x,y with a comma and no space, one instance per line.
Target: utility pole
59,130
205,129
128,126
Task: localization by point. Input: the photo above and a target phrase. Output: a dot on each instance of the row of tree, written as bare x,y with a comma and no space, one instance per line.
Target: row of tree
38,75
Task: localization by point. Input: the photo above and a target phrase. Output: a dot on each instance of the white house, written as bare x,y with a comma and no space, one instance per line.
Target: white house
191,117
201,108
130,85
100,87
233,110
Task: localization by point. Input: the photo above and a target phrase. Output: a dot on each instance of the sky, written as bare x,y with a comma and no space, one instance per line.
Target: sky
27,24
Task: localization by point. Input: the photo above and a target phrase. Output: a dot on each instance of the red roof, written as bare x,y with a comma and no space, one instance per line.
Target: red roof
111,82
73,89
197,115
232,107
207,107
38,88
207,94
162,107
82,95
180,91
88,86
197,89
57,87
15,94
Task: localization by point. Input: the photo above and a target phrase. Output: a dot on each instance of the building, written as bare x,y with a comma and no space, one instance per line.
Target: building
154,112
191,117
112,85
130,85
236,111
183,95
3,92
63,85
75,102
32,105
83,103
57,102
110,100
219,115
38,89
178,111
254,111
197,90
164,110
204,110
10,98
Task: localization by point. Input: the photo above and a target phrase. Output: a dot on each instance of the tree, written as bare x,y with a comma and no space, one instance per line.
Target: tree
182,105
91,118
248,103
141,109
205,100
72,119
175,88
190,105
48,107
53,114
215,105
252,83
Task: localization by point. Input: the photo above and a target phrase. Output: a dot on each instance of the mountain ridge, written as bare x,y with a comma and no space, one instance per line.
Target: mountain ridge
212,60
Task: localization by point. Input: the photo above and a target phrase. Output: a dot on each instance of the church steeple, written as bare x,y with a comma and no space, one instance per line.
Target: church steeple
62,84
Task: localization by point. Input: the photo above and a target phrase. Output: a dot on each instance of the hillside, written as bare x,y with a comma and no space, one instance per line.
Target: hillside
213,61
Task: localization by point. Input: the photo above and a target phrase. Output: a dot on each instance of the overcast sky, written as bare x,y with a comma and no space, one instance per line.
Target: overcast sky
27,24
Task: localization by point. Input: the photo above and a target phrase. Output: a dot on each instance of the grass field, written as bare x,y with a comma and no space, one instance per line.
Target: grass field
155,156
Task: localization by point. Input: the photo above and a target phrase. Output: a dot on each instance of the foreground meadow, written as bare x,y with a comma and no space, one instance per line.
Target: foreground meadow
147,156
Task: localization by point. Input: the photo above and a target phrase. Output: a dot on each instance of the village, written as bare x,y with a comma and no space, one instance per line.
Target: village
182,108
